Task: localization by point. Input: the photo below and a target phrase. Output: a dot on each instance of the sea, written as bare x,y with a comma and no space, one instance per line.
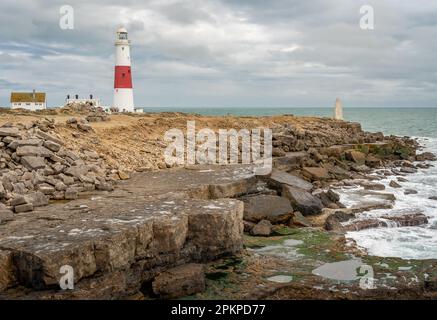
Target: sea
421,123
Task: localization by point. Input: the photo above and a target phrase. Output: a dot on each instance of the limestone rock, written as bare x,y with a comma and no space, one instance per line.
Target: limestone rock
372,161
248,226
25,142
6,215
303,201
426,156
181,281
356,156
53,146
408,170
299,220
20,199
38,199
71,194
6,270
23,208
33,151
267,207
12,132
278,178
394,184
47,136
123,175
372,186
262,228
315,173
410,191
407,220
333,222
33,162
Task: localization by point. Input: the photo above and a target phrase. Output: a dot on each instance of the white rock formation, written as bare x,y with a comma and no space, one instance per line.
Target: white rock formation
338,110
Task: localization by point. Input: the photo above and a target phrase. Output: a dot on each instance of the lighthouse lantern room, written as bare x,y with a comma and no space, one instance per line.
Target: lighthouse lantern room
123,93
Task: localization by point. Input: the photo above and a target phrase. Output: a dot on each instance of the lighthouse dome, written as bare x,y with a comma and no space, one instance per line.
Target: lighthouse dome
121,30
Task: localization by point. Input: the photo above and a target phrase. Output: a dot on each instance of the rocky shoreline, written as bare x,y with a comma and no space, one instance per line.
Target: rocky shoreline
208,231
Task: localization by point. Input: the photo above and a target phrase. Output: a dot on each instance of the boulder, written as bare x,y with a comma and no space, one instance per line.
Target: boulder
47,136
76,171
33,163
84,127
23,208
299,220
2,191
302,200
71,194
71,120
394,184
25,142
315,173
410,191
329,198
406,220
361,168
426,156
248,225
123,175
53,146
181,281
408,170
356,156
17,200
266,207
38,199
6,215
372,185
9,131
262,228
6,270
334,221
45,188
278,178
372,161
291,161
33,151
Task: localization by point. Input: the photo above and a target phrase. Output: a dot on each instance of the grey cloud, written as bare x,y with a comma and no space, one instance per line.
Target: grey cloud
225,52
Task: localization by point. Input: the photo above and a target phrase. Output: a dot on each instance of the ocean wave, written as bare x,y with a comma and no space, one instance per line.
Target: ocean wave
405,242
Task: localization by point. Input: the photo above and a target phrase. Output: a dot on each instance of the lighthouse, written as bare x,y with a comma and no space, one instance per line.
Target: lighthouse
123,93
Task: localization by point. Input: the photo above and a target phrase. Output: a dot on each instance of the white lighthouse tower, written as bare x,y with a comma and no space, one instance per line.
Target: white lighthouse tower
123,93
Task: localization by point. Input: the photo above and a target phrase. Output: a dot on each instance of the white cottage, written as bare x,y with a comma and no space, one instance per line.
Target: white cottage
28,100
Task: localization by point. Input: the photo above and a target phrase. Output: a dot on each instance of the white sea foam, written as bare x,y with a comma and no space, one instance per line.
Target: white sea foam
405,242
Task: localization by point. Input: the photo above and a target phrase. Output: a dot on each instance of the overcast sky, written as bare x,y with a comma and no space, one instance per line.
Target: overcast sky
230,53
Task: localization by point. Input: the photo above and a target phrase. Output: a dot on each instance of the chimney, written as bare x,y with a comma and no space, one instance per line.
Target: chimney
33,95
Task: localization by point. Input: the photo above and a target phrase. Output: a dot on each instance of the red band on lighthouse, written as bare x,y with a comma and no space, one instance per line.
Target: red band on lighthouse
122,77
123,92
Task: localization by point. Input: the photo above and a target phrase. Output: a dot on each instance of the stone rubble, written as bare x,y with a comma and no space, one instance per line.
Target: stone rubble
36,166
